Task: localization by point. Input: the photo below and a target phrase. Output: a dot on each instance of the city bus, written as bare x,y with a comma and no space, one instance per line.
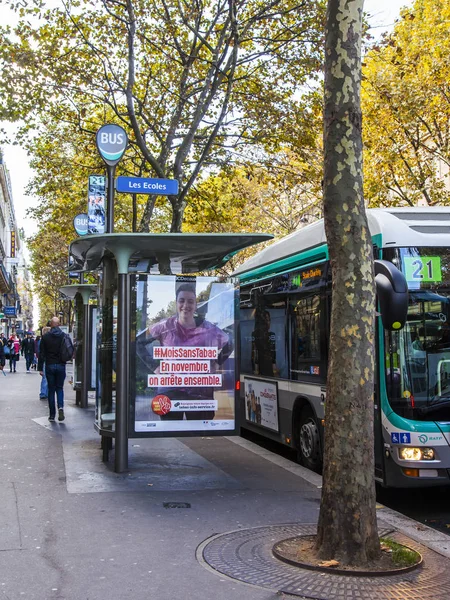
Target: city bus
285,301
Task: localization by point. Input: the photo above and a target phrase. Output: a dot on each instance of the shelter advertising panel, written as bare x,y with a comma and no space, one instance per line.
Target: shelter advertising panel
185,361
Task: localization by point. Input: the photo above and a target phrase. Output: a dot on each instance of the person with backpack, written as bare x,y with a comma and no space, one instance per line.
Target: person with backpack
54,351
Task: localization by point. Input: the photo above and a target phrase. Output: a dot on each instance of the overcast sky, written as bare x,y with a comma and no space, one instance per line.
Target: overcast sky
383,14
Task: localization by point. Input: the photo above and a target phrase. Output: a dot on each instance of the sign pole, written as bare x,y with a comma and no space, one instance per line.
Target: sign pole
111,142
111,171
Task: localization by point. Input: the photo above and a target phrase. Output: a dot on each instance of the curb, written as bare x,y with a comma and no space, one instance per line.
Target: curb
431,538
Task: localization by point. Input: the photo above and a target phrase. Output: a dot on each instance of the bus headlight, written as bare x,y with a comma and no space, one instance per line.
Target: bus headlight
416,453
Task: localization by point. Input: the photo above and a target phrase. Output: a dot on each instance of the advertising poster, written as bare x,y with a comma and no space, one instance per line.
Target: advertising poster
261,403
185,360
97,204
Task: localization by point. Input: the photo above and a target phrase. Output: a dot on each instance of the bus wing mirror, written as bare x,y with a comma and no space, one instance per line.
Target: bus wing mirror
392,292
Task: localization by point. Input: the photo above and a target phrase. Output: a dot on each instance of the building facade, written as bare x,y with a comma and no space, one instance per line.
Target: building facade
15,288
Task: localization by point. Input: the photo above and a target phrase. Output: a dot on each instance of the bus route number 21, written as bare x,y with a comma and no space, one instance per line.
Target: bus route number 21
424,268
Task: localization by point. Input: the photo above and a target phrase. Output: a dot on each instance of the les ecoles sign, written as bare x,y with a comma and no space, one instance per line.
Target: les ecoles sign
111,142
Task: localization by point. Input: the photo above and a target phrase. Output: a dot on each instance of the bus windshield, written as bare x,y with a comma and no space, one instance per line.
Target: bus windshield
418,356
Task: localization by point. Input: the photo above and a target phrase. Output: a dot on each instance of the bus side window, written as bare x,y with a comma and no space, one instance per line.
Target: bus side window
306,337
247,325
268,340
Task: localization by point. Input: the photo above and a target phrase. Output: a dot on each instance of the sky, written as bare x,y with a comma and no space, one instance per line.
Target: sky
383,14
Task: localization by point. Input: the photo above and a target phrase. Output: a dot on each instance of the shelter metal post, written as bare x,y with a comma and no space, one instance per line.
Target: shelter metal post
123,356
110,169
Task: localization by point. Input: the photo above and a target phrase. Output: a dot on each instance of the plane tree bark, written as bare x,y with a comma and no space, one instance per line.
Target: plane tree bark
347,529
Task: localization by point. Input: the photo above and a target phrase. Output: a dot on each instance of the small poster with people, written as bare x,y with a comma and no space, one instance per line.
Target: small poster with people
261,403
185,362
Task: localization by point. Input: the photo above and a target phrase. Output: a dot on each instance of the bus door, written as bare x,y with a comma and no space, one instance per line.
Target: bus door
378,431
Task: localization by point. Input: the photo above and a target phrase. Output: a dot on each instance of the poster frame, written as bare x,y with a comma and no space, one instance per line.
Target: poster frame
99,184
132,433
259,425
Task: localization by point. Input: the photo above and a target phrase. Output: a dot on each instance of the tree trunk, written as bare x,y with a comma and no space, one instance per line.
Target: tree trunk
347,529
177,215
144,226
134,219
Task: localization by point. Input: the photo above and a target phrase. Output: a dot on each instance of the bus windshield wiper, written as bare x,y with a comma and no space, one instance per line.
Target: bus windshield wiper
437,405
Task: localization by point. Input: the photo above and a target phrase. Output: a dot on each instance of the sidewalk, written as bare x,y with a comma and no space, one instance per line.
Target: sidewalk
193,518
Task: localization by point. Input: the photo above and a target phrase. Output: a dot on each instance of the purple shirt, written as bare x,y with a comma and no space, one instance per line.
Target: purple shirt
170,332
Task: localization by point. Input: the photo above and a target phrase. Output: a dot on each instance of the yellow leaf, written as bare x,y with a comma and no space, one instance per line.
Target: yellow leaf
329,563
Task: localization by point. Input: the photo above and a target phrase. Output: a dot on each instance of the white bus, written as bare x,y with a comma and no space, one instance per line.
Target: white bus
285,298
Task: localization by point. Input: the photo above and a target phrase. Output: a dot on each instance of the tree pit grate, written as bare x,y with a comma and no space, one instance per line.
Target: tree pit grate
246,556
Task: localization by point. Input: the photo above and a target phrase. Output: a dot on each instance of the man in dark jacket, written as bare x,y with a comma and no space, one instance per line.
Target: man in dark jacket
55,368
27,350
2,353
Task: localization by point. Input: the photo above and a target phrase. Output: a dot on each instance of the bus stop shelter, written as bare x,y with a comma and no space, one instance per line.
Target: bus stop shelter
85,292
120,255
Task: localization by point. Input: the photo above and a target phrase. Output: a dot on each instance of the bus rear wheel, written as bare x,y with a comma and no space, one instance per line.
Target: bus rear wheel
309,451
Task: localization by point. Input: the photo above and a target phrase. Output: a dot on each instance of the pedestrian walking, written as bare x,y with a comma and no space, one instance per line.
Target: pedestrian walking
37,341
27,350
2,354
14,352
6,349
55,368
43,392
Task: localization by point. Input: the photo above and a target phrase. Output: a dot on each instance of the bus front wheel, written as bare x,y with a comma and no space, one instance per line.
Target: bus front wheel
309,452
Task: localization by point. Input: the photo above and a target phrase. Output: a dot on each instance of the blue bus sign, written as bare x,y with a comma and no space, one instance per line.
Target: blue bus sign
141,185
111,142
10,311
80,224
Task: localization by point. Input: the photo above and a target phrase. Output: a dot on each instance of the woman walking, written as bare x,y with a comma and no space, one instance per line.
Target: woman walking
43,392
14,350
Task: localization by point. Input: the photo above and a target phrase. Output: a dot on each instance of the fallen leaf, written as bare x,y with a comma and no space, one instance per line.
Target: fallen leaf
329,563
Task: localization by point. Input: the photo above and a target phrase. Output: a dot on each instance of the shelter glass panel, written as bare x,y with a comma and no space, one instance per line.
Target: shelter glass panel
183,364
106,333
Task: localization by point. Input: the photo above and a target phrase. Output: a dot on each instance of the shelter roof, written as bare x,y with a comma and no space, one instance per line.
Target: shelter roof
185,252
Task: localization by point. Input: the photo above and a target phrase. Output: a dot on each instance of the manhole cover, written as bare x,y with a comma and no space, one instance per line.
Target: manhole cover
246,555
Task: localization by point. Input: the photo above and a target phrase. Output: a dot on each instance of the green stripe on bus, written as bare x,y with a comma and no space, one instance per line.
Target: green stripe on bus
310,257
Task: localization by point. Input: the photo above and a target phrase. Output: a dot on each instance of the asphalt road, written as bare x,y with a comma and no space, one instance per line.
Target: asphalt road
429,506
